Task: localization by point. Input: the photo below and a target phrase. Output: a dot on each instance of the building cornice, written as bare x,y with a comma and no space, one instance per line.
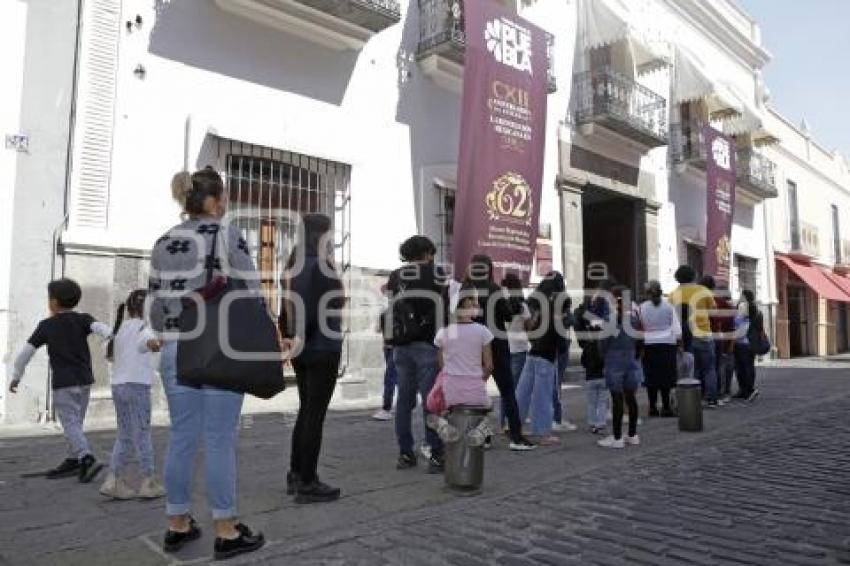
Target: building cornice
706,17
811,169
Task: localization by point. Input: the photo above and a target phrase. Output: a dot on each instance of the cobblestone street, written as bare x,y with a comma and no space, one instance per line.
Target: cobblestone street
767,483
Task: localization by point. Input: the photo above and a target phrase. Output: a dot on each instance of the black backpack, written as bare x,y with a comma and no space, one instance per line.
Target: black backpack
408,326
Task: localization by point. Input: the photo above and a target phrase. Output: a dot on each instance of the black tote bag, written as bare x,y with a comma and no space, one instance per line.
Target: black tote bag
202,360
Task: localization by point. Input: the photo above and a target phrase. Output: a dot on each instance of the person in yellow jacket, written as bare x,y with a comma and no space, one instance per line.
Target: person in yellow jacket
694,304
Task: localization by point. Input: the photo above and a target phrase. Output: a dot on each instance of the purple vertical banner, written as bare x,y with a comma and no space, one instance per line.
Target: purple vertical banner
502,140
721,176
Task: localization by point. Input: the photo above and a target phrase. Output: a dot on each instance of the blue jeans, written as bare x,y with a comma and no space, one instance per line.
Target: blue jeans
597,402
725,369
705,369
534,393
622,372
390,379
416,367
517,363
557,408
71,404
133,412
207,414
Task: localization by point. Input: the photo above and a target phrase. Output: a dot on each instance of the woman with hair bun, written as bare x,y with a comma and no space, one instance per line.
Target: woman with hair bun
179,263
662,334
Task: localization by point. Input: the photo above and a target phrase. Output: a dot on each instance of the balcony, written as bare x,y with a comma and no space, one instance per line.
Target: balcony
337,24
756,173
442,44
687,146
842,262
617,103
805,241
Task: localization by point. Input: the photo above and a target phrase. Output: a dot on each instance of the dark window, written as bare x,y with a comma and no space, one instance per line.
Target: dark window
446,219
695,258
747,271
793,216
836,234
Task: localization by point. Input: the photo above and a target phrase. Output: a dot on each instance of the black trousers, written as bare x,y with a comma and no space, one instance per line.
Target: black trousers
745,369
504,379
652,395
316,373
628,399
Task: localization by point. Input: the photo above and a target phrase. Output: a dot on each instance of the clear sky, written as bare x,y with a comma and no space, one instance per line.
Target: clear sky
809,76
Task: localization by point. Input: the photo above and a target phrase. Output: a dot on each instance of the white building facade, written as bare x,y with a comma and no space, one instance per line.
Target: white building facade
810,237
353,109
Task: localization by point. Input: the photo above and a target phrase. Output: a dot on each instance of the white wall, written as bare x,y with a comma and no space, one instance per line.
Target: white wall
13,18
259,85
42,69
822,180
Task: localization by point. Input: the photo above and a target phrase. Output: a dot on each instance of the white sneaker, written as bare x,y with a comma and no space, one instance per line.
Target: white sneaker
115,488
108,487
151,489
611,442
382,415
565,426
632,440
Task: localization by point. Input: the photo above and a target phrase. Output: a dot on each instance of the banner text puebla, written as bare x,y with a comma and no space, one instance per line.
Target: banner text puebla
721,175
502,140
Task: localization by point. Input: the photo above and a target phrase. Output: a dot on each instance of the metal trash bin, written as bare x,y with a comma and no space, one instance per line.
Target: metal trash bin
464,463
689,403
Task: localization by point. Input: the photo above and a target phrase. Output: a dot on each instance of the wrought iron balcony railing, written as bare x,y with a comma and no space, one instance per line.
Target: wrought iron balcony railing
374,15
618,103
441,32
756,172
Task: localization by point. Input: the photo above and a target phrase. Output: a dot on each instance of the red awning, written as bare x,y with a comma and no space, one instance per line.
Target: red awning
816,278
842,281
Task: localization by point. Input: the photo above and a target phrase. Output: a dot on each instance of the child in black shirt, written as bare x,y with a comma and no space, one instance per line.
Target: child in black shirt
65,334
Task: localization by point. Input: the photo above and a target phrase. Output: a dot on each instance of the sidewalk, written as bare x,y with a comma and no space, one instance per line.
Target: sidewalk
62,522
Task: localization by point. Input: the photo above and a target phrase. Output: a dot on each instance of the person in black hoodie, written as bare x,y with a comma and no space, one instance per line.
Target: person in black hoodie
418,308
313,326
497,311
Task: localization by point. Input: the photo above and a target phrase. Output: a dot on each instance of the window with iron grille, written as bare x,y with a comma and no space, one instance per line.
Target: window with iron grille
265,186
694,257
445,221
747,270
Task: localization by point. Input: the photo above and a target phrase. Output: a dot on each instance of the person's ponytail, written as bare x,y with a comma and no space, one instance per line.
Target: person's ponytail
119,318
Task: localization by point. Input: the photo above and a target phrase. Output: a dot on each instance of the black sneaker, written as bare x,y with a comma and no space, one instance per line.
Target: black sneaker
68,468
174,540
292,483
246,542
89,468
436,465
406,461
753,396
653,412
316,492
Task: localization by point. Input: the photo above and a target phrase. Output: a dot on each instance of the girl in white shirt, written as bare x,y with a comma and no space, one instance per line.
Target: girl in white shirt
132,352
465,355
662,335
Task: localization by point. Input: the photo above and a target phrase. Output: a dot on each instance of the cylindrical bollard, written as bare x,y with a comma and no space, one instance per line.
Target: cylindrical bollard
464,461
689,401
